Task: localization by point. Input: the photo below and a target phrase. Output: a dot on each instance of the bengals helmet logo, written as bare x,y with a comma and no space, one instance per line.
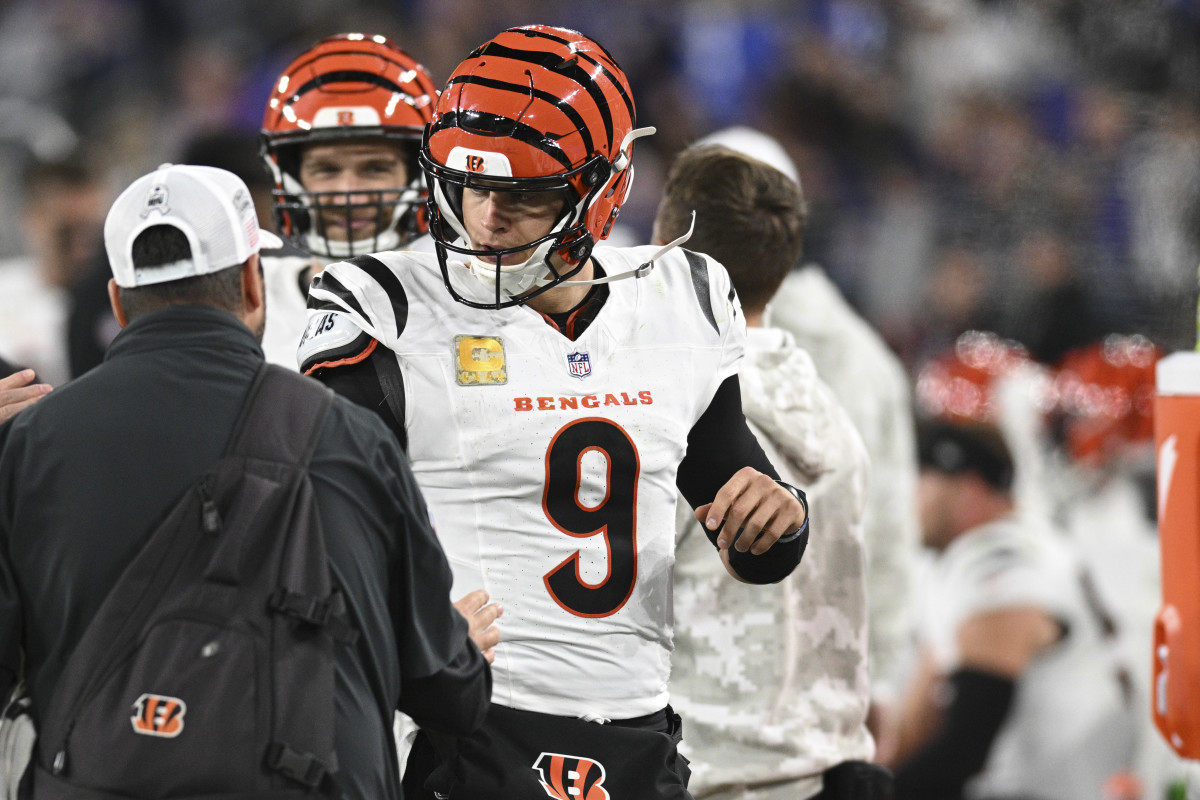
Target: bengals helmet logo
475,163
345,117
571,777
156,715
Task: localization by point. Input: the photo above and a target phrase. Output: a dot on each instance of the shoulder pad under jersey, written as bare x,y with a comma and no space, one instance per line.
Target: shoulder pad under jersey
331,339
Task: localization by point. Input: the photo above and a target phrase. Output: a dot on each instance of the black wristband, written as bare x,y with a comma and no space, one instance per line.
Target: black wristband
959,748
773,565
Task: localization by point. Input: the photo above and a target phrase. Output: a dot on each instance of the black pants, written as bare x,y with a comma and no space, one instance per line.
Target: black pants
523,754
856,780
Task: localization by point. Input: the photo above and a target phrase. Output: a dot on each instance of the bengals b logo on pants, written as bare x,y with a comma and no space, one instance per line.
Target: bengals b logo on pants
571,777
157,715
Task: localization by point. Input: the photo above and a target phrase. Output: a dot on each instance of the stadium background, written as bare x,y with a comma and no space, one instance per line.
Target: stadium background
1026,166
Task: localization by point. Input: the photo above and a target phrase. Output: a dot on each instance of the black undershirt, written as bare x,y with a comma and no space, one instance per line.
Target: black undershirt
574,321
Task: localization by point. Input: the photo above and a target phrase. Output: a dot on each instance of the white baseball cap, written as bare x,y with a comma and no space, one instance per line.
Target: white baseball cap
211,206
756,144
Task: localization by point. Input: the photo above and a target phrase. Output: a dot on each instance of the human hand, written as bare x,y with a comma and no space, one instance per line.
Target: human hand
881,723
756,512
17,393
481,616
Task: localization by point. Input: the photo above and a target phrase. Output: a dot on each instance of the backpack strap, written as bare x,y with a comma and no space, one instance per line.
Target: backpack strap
281,417
280,421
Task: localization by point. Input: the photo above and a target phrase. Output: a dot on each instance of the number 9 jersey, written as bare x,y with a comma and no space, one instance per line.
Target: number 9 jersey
549,465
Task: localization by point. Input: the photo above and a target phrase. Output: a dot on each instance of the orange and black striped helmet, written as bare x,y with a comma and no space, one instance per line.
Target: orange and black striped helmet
1105,394
535,109
961,384
348,88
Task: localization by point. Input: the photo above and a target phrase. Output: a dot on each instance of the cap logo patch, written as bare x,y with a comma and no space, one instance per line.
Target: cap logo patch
242,202
156,200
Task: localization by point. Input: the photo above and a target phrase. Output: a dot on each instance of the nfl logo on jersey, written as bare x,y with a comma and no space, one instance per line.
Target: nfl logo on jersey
580,364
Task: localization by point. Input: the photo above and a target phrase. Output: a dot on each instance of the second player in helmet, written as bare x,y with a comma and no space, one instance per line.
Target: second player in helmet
340,136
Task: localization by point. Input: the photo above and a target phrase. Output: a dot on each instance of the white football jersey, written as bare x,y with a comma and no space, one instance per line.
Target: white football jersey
548,464
287,313
1068,729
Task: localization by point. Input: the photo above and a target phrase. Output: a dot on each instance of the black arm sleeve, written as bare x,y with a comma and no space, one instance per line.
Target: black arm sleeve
453,700
374,383
958,750
719,444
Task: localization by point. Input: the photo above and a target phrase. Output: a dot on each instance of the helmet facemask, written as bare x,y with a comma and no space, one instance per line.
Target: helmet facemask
556,256
395,216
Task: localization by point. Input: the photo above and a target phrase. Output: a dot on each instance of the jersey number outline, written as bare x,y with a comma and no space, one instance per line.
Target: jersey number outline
614,517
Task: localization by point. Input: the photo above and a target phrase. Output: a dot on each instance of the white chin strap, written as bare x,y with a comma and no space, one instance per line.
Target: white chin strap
514,279
645,268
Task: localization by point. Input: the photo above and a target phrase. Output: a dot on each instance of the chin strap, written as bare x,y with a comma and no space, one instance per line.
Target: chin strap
643,269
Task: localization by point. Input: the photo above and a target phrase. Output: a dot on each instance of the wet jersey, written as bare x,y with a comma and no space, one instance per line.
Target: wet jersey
549,464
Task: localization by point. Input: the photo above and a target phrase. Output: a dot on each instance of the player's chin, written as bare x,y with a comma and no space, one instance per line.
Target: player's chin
338,231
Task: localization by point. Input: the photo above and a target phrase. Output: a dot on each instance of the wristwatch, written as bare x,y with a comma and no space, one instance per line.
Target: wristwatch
803,529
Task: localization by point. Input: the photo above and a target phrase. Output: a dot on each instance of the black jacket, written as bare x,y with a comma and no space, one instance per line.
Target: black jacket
87,473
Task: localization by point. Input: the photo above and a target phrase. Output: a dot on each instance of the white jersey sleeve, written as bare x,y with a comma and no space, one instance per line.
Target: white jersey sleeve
284,278
724,311
1013,563
353,305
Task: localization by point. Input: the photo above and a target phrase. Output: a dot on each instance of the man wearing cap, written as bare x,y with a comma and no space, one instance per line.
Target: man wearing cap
1015,694
87,473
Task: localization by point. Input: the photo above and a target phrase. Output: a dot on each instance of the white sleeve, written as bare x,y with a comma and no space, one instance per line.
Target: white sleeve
1005,571
728,318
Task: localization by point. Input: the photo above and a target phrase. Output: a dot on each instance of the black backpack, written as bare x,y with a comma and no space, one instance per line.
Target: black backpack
209,669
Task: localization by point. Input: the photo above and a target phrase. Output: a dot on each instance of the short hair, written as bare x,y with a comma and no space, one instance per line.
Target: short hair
954,449
749,216
71,172
166,244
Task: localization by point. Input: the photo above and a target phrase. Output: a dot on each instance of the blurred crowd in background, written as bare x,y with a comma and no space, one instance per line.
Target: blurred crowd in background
1030,167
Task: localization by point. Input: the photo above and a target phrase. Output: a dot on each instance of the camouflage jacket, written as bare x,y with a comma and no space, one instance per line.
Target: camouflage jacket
772,681
872,385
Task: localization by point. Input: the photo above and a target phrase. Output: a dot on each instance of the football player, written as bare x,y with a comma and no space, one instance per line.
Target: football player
1015,689
340,136
551,398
